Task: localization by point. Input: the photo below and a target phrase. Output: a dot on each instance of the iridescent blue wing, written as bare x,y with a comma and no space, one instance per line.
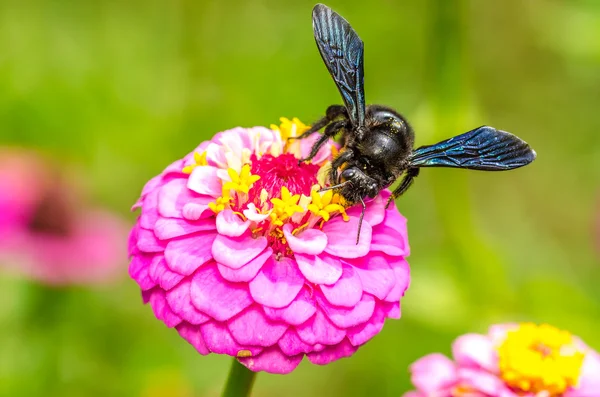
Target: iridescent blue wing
484,148
342,51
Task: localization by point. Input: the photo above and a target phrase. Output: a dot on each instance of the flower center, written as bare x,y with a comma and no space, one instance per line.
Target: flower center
284,170
535,359
269,188
51,216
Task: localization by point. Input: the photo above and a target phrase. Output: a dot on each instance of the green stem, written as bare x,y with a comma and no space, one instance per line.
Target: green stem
239,382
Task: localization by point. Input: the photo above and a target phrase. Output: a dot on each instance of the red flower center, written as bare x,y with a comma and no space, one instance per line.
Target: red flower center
284,170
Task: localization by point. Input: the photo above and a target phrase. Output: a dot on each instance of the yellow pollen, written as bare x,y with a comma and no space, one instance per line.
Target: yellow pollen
326,204
199,160
290,128
284,207
219,204
241,182
540,359
244,353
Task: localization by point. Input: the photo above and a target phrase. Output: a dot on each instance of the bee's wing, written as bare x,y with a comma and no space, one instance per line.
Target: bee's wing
342,51
484,148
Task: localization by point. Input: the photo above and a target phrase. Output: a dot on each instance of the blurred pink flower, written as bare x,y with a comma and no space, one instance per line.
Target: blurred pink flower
237,249
512,360
46,233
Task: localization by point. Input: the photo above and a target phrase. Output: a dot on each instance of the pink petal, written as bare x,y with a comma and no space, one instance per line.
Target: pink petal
218,340
149,214
277,283
475,351
497,332
273,361
291,344
151,185
401,270
251,327
235,252
319,269
300,310
148,242
396,221
589,380
389,241
376,276
349,317
168,228
482,381
309,241
375,210
332,353
174,194
186,255
162,275
252,214
196,210
247,272
193,335
433,373
132,240
139,270
161,309
320,330
203,180
218,298
230,224
347,291
180,302
341,238
364,332
391,309
417,394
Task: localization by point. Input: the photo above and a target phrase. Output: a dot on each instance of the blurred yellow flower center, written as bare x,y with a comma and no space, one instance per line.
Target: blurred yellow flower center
540,359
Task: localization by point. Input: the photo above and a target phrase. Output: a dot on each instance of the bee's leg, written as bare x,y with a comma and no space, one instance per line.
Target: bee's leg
330,131
344,157
332,113
411,173
360,220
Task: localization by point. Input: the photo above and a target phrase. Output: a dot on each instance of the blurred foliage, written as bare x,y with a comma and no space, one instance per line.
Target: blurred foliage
119,89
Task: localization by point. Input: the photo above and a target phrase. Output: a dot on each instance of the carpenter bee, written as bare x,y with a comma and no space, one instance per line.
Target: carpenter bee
377,140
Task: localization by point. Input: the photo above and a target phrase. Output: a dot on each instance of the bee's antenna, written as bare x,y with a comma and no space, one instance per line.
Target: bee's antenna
360,220
335,186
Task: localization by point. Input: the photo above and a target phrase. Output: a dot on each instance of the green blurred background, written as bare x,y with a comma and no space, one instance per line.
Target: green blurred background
119,89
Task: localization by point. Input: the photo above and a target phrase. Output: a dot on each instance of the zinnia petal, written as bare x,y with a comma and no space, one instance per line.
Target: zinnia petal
238,247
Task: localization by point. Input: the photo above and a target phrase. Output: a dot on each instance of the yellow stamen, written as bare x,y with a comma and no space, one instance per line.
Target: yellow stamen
536,359
199,160
284,207
300,228
324,205
219,204
241,182
290,128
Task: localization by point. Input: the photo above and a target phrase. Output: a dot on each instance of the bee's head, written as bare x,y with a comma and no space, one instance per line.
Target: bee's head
361,185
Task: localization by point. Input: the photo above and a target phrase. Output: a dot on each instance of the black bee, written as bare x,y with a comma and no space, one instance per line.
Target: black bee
377,141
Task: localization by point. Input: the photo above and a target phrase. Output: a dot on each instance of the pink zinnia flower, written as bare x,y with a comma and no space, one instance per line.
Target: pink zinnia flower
236,248
512,360
46,232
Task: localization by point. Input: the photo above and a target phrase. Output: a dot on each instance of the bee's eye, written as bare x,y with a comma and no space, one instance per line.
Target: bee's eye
348,174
